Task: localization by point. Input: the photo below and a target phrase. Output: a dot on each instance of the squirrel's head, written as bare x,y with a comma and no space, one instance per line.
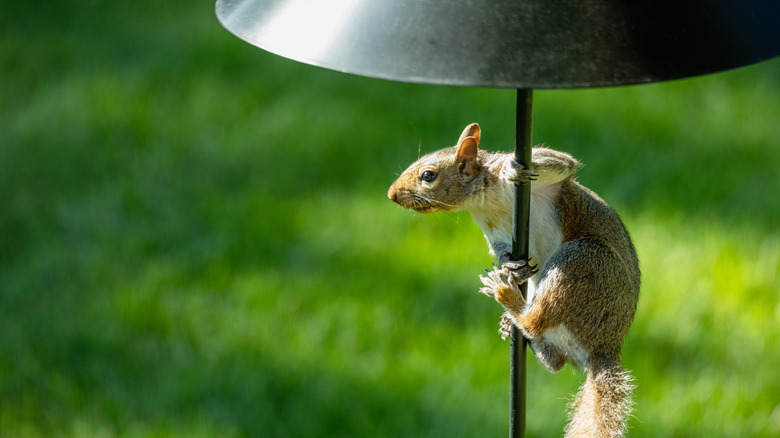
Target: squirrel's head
440,181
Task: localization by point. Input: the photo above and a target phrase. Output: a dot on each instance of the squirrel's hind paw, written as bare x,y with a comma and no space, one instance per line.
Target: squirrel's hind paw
505,326
497,279
492,282
502,284
510,275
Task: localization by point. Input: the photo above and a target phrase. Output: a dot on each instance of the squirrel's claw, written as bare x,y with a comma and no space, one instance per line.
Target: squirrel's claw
503,285
505,326
521,175
520,270
511,274
491,282
497,277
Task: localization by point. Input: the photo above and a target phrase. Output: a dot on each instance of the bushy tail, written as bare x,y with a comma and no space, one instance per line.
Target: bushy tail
602,404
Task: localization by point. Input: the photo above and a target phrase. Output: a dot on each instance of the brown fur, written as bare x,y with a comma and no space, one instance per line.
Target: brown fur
587,289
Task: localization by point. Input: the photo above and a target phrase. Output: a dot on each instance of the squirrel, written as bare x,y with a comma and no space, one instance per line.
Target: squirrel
583,274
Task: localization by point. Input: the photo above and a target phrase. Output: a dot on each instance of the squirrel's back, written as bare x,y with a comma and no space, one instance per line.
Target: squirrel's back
584,214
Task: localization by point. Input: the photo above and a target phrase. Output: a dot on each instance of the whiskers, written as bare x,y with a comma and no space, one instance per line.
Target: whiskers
421,202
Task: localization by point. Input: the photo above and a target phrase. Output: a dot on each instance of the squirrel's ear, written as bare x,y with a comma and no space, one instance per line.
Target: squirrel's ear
471,131
467,149
467,157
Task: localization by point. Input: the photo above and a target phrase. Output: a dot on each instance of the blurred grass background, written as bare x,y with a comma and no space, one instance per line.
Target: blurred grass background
195,241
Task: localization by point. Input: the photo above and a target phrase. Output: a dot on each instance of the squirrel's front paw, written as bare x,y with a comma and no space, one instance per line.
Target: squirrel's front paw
520,270
521,175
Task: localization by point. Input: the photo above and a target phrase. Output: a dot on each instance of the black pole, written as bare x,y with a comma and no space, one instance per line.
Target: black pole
520,252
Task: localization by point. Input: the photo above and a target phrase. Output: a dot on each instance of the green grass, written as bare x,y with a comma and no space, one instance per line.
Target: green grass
195,241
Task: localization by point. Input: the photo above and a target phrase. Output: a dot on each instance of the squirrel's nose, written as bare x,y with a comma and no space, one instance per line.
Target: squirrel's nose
392,195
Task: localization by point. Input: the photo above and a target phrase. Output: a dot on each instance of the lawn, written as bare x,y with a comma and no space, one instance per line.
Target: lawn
195,241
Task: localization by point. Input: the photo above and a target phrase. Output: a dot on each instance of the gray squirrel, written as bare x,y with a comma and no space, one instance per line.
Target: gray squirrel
583,274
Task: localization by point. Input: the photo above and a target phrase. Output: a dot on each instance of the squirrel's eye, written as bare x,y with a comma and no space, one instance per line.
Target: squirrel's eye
428,176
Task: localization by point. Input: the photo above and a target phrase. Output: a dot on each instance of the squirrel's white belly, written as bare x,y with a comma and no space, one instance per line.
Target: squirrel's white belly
561,337
544,234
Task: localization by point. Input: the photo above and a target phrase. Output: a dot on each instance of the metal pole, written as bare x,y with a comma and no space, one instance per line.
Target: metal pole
520,252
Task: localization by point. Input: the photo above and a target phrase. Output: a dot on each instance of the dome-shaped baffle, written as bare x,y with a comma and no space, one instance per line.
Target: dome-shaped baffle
512,43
